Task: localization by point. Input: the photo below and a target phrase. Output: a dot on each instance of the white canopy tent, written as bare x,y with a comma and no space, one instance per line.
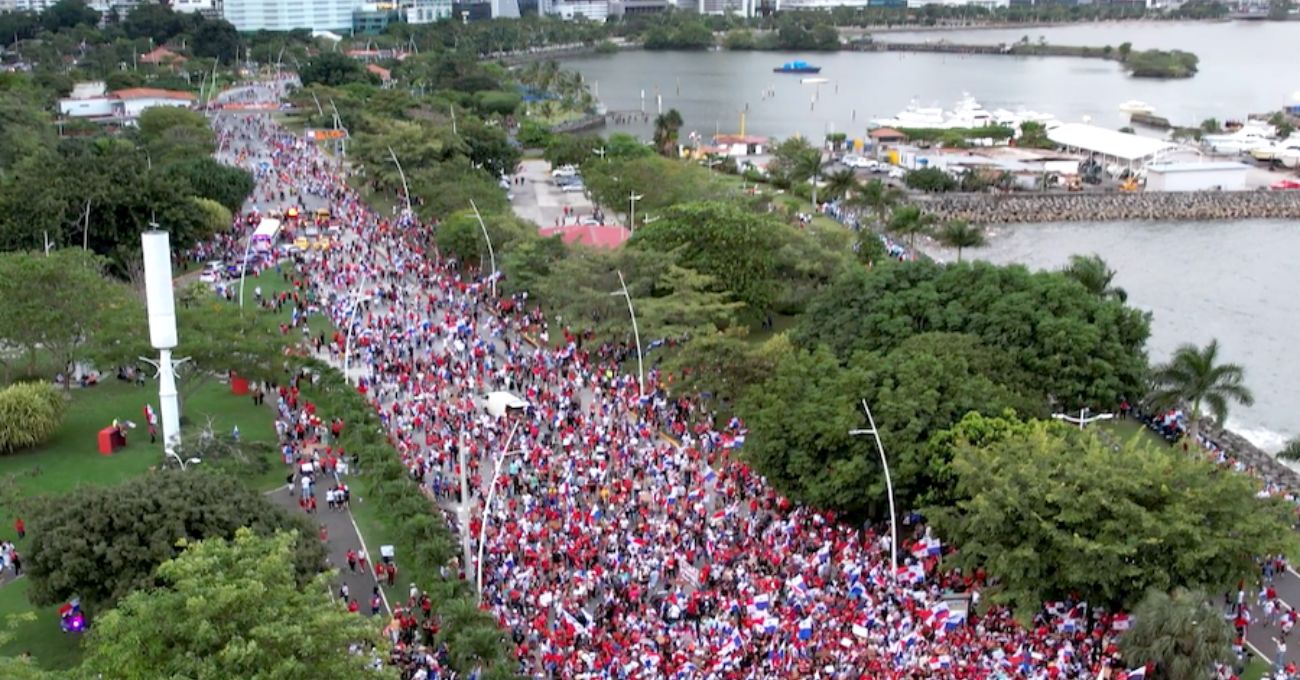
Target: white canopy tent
1118,146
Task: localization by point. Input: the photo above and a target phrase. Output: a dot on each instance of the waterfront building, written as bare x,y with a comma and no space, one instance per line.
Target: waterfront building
208,8
622,7
425,11
373,18
592,10
90,101
288,15
821,4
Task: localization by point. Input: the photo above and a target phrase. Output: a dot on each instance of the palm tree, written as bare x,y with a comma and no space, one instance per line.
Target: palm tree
1092,272
908,221
809,166
841,183
1194,377
879,198
1179,636
960,234
665,136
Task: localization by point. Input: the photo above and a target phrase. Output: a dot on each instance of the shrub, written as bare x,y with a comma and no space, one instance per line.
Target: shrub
30,413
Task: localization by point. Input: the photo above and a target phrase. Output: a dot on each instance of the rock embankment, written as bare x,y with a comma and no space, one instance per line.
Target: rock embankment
1268,467
1095,207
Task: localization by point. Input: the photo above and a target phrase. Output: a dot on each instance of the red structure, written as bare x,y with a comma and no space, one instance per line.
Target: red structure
110,440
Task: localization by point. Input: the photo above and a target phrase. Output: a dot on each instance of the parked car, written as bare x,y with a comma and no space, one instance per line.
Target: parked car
897,173
572,187
564,171
858,162
212,271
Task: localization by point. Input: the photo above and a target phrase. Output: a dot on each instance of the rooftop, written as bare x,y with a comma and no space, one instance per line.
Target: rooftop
886,133
1195,166
604,236
740,139
151,93
1106,142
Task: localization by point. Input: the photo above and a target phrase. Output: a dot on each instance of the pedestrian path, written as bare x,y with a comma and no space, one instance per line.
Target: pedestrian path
341,536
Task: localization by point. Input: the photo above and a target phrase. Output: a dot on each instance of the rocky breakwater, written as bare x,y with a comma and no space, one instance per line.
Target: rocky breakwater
1094,207
1266,466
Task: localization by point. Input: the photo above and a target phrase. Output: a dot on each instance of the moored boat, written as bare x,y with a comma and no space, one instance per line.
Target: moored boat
797,67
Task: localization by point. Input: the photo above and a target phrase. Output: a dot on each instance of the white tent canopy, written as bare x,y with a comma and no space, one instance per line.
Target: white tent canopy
1119,145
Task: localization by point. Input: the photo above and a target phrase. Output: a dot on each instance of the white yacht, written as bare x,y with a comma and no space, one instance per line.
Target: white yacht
1134,106
1253,135
1276,150
915,116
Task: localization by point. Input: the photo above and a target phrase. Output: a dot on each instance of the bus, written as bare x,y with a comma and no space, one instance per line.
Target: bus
264,236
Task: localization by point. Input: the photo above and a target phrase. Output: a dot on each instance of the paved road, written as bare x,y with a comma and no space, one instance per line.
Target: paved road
338,525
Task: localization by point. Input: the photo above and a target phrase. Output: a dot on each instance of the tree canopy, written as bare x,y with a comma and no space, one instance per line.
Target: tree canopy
233,609
723,240
101,543
1084,351
1049,512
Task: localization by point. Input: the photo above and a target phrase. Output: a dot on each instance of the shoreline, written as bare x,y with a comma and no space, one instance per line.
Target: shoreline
1021,208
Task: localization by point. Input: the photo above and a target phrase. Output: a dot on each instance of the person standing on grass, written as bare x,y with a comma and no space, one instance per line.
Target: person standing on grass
21,527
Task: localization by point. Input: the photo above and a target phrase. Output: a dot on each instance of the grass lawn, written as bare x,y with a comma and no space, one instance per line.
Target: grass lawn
71,459
1124,430
1255,670
780,324
51,648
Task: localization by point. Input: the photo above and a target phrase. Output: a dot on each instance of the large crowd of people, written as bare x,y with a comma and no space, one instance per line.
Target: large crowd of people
625,538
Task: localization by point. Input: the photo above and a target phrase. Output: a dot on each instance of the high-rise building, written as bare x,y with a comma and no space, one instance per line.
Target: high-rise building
288,15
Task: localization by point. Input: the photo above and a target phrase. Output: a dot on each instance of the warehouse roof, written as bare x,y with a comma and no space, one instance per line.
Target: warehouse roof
1107,142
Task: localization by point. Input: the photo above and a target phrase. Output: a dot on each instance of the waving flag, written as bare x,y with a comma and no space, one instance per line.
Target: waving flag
1121,622
806,629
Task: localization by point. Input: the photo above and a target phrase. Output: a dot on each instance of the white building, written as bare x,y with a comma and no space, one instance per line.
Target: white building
744,8
818,4
593,10
990,4
425,11
88,100
288,15
1194,176
210,7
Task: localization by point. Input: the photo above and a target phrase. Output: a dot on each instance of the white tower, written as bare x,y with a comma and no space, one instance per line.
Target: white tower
162,328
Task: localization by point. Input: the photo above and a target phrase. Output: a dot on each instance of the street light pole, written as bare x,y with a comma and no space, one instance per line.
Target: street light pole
1083,418
636,334
889,486
170,453
487,506
406,188
352,318
632,198
491,253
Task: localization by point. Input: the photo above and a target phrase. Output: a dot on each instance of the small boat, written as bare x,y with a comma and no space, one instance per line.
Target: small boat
1135,106
797,67
814,81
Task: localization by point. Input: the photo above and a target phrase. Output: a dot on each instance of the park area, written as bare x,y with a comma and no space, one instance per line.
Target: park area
70,460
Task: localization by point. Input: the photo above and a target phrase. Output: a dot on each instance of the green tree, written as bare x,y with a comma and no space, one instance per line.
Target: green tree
961,234
908,222
1033,135
333,69
1179,635
217,39
1083,350
25,130
100,543
225,184
667,126
931,180
1095,275
1211,125
571,149
841,184
460,236
1195,377
1279,10
1125,49
69,14
232,609
30,413
1055,511
57,304
155,21
878,197
724,241
176,132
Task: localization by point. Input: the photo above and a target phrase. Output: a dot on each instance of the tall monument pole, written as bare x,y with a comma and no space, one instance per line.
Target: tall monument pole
162,328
